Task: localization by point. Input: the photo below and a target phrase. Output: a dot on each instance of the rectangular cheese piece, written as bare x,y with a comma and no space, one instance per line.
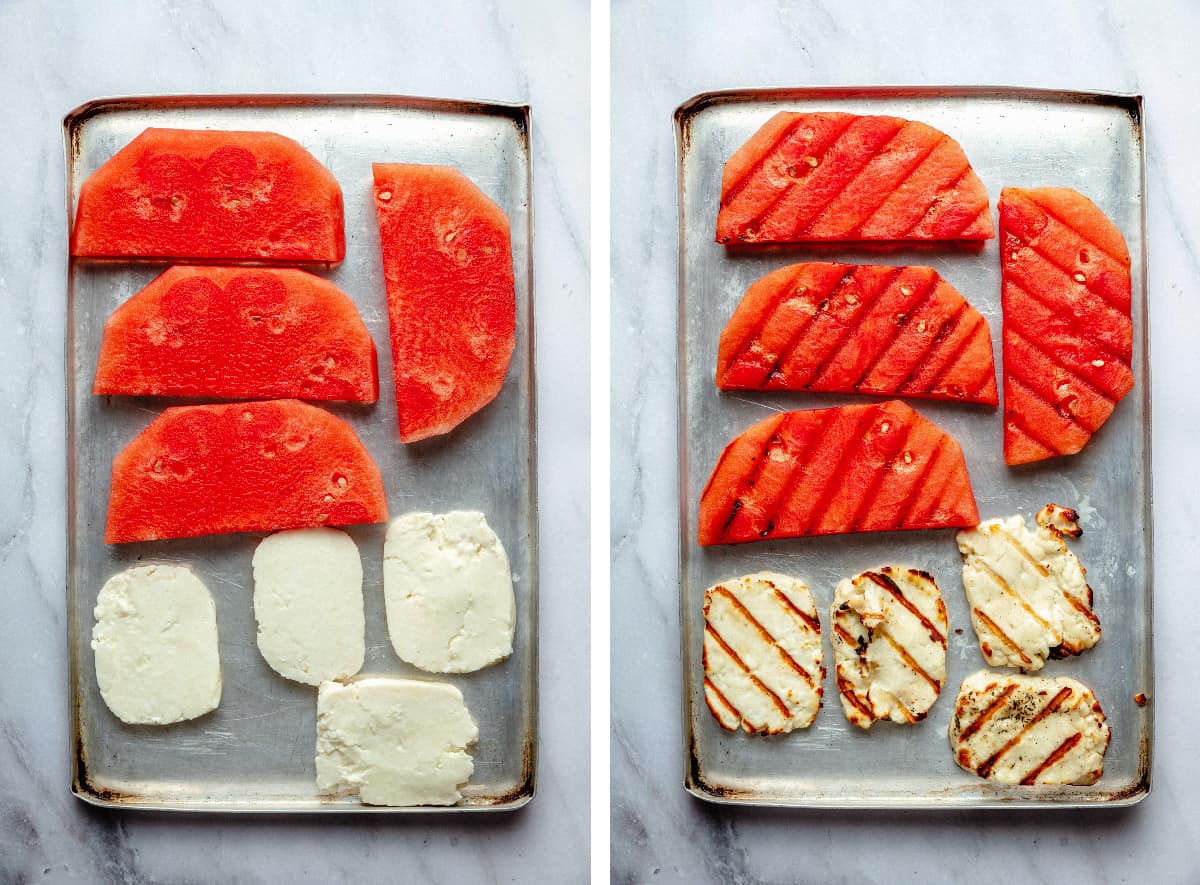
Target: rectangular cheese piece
394,741
308,602
155,641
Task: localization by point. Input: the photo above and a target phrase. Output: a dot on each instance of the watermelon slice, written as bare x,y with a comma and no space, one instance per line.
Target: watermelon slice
238,333
869,468
1068,330
846,328
214,195
241,467
447,264
833,176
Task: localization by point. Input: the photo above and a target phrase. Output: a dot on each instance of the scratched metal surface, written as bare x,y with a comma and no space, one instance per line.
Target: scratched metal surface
1023,138
255,752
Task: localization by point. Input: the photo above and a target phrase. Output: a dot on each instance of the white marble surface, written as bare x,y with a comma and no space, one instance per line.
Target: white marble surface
53,57
661,57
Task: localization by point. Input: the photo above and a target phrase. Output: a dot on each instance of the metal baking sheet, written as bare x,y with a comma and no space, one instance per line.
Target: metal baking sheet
256,751
1026,138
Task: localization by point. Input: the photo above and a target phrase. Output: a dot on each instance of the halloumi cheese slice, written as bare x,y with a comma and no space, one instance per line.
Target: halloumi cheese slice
1029,598
448,592
155,640
394,741
308,603
889,632
762,654
1019,729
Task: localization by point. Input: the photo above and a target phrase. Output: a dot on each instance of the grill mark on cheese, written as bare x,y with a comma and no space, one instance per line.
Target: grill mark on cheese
847,691
987,714
891,587
841,631
1020,548
809,621
758,683
998,579
988,764
1059,752
911,662
710,687
994,628
764,633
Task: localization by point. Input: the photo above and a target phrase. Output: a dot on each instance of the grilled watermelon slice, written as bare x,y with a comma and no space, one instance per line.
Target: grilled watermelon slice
447,265
1068,327
213,195
241,467
834,176
869,468
238,333
847,328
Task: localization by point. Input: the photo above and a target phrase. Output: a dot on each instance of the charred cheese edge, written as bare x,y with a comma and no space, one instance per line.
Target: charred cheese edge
762,654
1018,729
889,630
1028,595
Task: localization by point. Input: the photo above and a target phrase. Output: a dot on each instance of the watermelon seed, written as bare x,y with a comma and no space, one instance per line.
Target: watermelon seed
812,161
885,427
247,415
329,499
907,458
921,326
340,481
1099,364
1012,256
1084,258
385,195
852,299
158,466
1080,278
277,325
905,291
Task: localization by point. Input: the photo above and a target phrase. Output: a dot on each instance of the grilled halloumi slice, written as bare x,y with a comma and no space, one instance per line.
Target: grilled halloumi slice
1029,599
762,654
1019,729
889,633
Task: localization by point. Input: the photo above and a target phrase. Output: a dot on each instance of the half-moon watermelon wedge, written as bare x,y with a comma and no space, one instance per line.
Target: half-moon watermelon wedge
238,333
447,265
848,328
213,195
870,468
241,467
834,176
1068,329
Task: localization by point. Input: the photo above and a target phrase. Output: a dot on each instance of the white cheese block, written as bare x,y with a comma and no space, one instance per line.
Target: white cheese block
394,741
1019,729
762,654
448,592
308,602
1029,598
155,641
889,633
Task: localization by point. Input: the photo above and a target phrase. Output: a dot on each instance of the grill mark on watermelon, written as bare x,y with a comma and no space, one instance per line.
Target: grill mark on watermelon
1055,756
798,337
1070,274
886,583
1057,363
939,337
1062,221
1063,315
764,634
901,321
736,658
798,334
939,193
761,460
851,328
1019,435
810,444
872,491
1014,276
1018,421
738,186
1017,325
782,295
838,474
952,359
1054,312
1019,375
803,227
918,483
912,170
966,225
750,226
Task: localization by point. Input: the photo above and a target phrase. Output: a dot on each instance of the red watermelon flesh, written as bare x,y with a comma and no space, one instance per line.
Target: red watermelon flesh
213,195
1068,329
847,328
868,468
238,333
447,264
833,176
241,467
